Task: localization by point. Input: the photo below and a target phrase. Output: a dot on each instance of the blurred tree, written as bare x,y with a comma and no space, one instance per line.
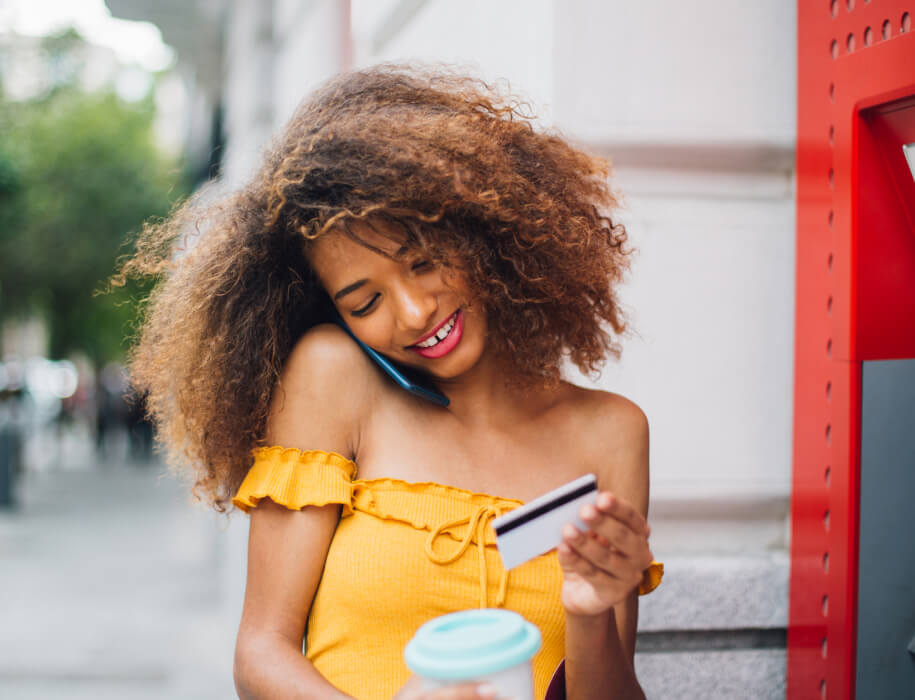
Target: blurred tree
78,173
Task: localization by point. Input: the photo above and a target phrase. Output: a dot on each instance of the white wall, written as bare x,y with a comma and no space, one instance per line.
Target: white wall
496,40
308,37
715,71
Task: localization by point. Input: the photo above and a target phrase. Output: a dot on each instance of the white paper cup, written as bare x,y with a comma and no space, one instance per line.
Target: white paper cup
482,646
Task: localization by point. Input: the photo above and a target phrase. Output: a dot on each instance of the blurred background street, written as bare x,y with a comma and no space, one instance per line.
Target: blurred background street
109,583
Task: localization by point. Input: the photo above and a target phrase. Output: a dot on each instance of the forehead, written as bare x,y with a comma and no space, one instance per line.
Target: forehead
338,253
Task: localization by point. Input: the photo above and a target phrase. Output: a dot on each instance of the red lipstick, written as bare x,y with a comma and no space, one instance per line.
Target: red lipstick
446,344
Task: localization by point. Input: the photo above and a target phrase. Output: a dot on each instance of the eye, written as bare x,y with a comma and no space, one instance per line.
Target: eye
363,310
419,265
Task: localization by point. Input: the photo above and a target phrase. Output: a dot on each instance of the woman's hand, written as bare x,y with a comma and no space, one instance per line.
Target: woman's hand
413,690
603,565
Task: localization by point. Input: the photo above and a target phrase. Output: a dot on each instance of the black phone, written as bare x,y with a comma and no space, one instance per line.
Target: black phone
396,373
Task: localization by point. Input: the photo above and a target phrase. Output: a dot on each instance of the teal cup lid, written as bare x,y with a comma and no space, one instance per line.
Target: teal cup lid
471,643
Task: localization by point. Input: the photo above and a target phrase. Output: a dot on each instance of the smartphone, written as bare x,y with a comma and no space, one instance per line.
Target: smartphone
396,373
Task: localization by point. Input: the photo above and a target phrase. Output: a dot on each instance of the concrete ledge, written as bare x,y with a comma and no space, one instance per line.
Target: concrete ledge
719,592
713,675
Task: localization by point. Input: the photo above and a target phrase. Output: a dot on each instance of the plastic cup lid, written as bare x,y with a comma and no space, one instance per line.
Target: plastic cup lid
471,643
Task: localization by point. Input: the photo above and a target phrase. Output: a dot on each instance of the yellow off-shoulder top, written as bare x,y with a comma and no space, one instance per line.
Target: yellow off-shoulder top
404,553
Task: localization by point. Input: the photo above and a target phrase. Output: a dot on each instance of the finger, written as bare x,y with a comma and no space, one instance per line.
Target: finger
612,561
566,556
615,534
464,691
573,562
612,505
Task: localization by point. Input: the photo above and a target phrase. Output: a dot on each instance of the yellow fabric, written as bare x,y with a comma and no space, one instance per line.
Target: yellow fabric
417,536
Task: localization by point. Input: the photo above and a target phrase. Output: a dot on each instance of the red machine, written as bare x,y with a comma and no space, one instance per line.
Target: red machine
855,305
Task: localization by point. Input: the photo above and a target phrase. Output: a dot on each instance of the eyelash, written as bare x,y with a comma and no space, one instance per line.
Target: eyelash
415,267
365,309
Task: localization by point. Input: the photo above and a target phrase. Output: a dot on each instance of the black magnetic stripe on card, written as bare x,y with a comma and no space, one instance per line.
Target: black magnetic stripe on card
545,508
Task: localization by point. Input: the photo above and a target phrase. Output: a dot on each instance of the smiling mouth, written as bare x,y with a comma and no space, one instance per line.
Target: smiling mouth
445,339
439,335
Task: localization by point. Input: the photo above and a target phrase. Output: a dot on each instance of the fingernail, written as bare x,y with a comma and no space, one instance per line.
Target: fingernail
486,690
571,532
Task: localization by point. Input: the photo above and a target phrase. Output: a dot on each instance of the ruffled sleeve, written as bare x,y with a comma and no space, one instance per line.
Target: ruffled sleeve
295,479
651,579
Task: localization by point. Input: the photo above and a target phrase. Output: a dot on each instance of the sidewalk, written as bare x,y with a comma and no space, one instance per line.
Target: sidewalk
110,588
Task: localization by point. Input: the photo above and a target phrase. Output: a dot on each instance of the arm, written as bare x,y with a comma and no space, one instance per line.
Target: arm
604,566
286,548
286,552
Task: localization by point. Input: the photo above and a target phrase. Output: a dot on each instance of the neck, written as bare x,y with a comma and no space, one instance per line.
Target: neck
486,397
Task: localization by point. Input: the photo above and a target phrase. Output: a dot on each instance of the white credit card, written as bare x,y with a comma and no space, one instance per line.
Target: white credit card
536,527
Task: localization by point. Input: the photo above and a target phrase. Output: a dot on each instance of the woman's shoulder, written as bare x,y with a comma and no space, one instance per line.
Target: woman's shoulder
327,359
612,413
326,346
324,393
618,440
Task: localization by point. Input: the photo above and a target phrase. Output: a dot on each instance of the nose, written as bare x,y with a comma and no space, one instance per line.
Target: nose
415,306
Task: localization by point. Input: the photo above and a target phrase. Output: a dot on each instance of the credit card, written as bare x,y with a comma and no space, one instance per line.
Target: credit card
536,527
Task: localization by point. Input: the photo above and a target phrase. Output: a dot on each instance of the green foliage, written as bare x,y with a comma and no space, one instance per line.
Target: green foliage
79,173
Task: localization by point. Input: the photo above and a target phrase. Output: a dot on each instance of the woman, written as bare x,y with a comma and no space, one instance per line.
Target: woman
426,214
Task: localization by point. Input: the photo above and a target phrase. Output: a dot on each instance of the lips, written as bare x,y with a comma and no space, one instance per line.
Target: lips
443,338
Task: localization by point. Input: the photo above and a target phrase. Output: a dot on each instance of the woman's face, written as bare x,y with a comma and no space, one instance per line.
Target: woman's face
406,308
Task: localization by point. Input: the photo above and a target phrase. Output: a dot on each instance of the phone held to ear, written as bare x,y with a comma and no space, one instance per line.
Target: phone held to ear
395,373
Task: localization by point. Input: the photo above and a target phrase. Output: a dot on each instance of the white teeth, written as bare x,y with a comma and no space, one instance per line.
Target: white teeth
440,336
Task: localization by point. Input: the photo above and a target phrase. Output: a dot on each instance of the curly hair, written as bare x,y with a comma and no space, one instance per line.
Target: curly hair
451,161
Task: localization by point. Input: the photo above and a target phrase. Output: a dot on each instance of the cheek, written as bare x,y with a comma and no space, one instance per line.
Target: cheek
375,330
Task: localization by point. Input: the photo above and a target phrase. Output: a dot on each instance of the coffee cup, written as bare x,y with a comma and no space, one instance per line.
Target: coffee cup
488,645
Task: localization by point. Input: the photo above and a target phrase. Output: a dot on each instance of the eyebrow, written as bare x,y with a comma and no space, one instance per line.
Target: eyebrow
349,288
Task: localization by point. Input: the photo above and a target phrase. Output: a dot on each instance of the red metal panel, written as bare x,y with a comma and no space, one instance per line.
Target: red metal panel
854,290
884,234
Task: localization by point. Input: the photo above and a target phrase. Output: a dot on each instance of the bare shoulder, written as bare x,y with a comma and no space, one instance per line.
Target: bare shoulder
324,393
617,444
326,351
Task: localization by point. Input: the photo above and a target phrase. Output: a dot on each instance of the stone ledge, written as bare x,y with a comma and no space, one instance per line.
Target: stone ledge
713,675
722,592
